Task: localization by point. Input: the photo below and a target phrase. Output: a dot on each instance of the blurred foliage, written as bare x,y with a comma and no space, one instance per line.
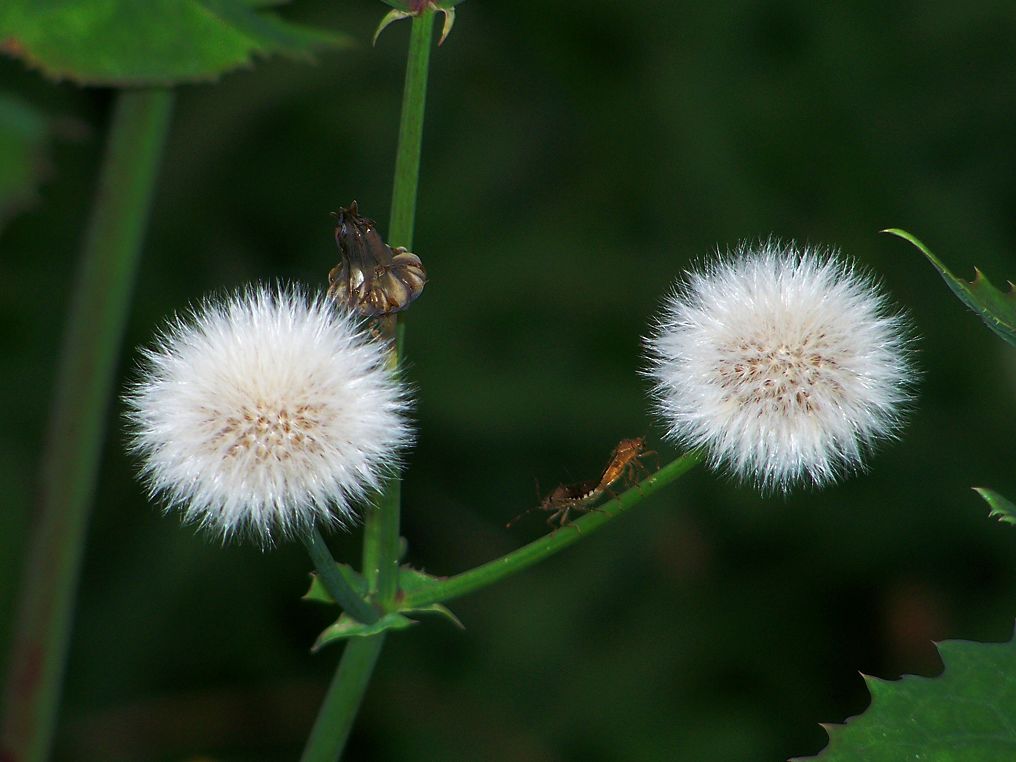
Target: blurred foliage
574,164
122,42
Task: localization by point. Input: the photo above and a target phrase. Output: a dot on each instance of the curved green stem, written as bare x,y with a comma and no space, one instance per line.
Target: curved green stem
336,585
91,344
548,545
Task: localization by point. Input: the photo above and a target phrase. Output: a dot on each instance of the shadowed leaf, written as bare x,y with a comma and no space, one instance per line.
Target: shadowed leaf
317,593
963,714
346,627
1001,508
410,580
157,42
996,308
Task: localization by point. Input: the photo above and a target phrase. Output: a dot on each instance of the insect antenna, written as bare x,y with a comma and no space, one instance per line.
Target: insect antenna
526,512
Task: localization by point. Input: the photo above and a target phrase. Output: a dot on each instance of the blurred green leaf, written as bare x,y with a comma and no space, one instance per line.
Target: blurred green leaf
159,42
963,714
1001,508
23,134
996,309
403,5
347,627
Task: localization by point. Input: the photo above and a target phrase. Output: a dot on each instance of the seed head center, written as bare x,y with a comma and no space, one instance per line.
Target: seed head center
775,377
272,431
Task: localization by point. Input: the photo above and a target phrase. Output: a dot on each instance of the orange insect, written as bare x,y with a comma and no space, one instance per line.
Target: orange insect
625,462
562,500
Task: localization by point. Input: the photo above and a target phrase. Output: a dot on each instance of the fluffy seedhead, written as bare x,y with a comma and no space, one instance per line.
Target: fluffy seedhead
265,414
785,364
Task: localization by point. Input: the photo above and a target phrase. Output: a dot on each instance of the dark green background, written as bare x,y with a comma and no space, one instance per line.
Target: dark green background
577,156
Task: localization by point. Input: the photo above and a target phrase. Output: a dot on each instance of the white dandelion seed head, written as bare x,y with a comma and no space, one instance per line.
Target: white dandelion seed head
785,364
265,414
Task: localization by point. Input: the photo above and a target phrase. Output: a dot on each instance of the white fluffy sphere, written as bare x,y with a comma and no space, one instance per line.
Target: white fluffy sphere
784,364
265,414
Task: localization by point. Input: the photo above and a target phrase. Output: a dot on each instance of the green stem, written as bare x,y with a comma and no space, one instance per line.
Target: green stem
407,160
91,344
381,535
336,585
381,530
343,699
548,545
381,538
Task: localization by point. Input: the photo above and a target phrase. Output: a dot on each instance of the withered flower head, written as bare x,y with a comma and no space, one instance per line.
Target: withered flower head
372,278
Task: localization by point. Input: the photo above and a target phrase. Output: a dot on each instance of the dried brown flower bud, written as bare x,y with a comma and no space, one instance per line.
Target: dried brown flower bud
371,278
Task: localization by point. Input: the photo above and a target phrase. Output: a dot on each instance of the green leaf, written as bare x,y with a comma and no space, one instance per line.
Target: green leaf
1001,508
996,309
347,627
410,581
437,608
963,715
151,43
317,593
23,136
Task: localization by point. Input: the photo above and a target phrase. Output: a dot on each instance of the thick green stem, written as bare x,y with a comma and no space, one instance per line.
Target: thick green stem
407,160
342,702
381,532
91,344
552,543
340,590
381,536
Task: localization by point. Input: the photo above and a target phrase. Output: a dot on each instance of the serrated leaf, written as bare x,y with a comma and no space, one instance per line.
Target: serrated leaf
1001,508
151,43
347,627
996,308
23,135
410,580
966,714
317,593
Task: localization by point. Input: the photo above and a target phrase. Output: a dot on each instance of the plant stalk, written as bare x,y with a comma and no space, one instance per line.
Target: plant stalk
381,530
334,582
550,544
343,699
91,344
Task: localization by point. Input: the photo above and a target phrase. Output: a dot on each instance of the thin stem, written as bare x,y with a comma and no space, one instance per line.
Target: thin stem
91,344
334,582
342,702
556,541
